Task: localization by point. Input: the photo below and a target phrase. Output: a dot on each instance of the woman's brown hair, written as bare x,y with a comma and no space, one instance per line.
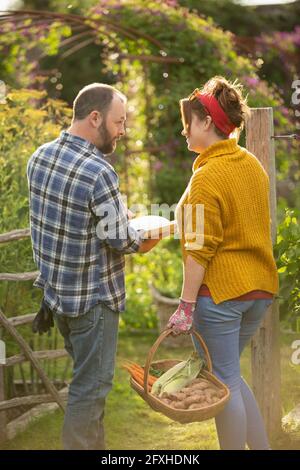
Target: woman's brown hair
230,98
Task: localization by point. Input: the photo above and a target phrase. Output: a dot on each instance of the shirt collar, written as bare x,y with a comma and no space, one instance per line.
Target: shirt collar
86,144
222,147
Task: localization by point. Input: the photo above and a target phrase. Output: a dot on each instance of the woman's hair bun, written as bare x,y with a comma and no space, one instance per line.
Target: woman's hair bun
230,97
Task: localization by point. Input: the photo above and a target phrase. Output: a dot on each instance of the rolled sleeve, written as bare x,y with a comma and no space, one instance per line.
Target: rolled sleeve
111,215
203,221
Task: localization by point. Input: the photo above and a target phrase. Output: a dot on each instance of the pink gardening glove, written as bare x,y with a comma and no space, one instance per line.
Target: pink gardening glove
182,319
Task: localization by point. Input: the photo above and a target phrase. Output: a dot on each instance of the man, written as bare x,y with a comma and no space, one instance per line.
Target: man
80,233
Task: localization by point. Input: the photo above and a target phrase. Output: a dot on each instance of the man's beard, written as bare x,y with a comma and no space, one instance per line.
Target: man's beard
108,144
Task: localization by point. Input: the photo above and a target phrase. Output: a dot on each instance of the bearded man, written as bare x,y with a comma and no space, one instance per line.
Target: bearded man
80,234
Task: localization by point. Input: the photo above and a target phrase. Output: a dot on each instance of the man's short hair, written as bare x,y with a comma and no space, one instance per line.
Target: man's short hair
94,97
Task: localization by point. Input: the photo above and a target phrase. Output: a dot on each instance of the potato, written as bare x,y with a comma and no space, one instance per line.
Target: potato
198,393
214,399
211,393
181,396
199,397
199,386
187,391
196,398
171,396
208,398
196,381
179,405
189,400
177,396
166,401
195,406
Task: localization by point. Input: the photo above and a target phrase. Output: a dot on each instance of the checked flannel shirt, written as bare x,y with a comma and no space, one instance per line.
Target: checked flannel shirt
70,187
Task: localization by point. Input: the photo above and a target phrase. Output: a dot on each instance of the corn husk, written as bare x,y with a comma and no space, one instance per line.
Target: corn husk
178,376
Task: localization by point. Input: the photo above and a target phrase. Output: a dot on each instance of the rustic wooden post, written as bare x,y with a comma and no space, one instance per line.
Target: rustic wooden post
2,413
265,348
3,433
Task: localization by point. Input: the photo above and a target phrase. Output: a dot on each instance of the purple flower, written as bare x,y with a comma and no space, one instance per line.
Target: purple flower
251,81
285,111
157,166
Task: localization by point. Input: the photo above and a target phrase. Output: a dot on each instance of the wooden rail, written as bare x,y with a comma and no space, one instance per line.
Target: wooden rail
46,354
18,234
30,400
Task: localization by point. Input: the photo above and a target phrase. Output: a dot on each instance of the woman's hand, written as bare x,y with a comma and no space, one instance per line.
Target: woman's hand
130,214
182,319
148,244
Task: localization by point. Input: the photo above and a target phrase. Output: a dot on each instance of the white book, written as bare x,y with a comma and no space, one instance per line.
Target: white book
154,226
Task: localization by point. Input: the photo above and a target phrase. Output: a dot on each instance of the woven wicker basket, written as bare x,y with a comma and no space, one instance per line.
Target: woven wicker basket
183,416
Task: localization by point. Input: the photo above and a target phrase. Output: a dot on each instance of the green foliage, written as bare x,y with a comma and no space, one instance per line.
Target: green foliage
162,268
247,20
27,120
287,252
166,269
169,184
15,66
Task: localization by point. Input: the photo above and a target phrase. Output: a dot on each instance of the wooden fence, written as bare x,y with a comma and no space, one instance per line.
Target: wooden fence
25,393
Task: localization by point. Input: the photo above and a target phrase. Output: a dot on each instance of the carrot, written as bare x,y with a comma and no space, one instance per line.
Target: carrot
137,373
133,366
140,380
136,368
134,372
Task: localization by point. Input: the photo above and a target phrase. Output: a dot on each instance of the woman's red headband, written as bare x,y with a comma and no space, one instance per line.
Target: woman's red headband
214,109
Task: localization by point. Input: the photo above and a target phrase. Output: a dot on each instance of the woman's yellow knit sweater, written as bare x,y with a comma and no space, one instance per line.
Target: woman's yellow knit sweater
224,222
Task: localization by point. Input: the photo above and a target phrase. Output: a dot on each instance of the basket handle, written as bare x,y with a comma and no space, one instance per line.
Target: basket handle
155,346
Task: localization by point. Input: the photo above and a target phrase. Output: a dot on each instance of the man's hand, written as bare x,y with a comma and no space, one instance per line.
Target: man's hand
43,321
182,319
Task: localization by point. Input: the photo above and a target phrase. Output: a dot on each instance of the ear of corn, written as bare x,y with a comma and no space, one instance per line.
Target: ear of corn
164,378
178,376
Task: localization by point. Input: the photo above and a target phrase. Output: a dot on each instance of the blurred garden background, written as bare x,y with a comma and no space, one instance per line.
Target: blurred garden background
155,52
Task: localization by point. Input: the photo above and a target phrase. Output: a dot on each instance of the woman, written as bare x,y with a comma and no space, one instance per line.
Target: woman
230,275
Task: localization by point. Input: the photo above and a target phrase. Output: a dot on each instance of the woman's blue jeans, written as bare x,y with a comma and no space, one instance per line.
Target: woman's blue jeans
91,340
226,329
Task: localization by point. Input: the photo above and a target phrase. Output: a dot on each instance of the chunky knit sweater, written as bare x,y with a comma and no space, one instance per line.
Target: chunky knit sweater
224,222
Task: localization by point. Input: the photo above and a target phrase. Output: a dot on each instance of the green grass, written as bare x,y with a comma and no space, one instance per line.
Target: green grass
131,424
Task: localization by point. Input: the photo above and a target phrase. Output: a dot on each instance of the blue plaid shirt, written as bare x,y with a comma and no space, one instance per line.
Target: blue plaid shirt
69,181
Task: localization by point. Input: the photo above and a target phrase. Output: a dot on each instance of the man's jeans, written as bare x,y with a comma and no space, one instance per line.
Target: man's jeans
91,340
226,329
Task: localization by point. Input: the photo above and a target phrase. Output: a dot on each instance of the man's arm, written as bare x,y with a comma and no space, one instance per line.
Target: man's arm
112,216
